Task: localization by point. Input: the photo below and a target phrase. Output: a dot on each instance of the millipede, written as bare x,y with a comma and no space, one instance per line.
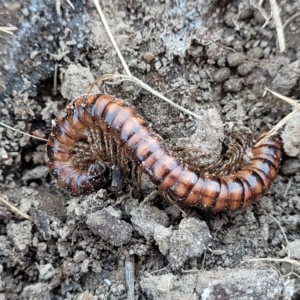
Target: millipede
97,133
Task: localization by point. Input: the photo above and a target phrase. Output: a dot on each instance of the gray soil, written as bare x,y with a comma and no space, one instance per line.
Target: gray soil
213,57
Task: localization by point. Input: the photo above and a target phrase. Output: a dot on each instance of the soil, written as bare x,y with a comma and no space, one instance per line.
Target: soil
213,57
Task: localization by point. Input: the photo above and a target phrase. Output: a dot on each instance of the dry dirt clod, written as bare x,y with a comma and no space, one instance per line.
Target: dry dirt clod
77,79
234,59
146,218
294,249
291,137
189,241
265,284
246,68
233,85
20,234
36,173
37,291
290,166
109,228
286,80
222,74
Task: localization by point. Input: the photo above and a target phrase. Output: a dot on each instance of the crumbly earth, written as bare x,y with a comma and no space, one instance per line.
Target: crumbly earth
213,57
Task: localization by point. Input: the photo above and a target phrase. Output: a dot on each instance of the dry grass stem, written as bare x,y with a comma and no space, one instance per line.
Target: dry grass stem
71,4
16,210
112,39
263,12
191,271
129,276
8,29
275,13
144,86
54,90
279,28
280,124
24,133
286,99
291,19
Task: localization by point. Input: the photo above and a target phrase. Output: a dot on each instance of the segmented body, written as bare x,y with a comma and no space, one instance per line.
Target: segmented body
96,132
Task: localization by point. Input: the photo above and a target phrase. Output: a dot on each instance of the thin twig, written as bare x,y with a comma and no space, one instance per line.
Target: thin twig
150,197
112,39
289,184
278,224
146,87
279,28
162,269
280,260
24,133
16,210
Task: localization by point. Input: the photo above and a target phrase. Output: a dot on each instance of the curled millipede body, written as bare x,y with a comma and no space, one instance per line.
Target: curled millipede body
97,132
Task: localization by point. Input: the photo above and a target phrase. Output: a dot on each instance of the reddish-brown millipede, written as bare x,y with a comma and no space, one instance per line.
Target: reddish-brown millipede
97,132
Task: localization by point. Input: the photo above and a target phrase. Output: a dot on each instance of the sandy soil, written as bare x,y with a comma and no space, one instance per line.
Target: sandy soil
212,57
